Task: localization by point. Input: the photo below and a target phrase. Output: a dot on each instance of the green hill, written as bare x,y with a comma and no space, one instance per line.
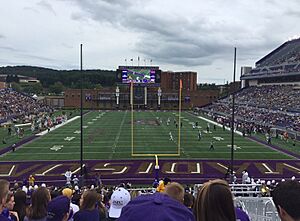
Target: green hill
69,78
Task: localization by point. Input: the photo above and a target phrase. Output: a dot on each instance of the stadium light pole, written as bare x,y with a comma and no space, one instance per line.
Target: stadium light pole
232,120
81,114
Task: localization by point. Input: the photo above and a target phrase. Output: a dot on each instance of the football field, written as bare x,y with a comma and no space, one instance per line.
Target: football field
140,135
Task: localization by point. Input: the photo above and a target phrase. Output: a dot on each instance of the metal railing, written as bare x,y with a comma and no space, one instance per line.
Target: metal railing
258,208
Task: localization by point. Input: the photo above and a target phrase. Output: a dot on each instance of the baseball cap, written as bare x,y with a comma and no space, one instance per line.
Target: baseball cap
57,208
158,206
67,192
119,199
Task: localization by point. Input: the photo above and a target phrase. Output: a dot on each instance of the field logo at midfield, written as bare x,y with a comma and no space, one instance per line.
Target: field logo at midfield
69,138
235,147
218,138
57,147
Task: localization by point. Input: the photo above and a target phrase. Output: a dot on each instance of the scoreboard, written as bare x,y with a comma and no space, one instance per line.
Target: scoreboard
138,74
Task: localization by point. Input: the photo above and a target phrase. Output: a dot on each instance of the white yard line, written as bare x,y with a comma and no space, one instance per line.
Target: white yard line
118,136
57,126
217,124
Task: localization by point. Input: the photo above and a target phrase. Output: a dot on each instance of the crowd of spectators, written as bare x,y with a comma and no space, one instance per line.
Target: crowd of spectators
281,61
265,106
211,201
288,53
17,105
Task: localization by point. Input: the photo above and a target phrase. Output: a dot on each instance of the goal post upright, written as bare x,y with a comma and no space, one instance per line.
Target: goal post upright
131,103
179,114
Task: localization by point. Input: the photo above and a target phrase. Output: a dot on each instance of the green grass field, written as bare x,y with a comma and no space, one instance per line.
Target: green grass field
107,135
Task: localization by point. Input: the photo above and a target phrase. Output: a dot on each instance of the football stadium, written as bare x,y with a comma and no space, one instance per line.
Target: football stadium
140,133
140,139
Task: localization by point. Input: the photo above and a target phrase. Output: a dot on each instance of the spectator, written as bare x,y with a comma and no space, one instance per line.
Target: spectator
38,208
188,201
245,177
286,197
118,200
214,202
18,105
162,184
31,180
58,209
4,190
157,206
102,208
88,210
20,204
134,194
75,180
263,107
241,215
98,180
175,191
9,205
68,176
73,207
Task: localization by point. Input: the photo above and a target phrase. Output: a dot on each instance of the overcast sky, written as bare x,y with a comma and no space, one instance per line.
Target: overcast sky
190,35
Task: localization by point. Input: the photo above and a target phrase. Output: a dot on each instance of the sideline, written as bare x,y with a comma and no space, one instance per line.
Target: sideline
254,139
57,126
215,123
20,143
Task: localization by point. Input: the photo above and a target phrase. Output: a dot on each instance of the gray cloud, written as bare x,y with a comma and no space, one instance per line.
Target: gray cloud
31,9
194,34
292,12
40,58
175,39
7,48
45,5
67,45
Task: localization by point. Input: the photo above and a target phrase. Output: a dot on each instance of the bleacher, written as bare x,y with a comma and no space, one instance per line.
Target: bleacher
286,53
14,104
283,61
271,106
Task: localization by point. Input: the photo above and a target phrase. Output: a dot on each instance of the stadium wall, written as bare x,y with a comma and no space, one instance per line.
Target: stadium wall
106,98
54,101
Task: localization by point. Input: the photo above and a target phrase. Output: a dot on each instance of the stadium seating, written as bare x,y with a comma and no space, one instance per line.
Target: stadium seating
288,52
14,104
271,106
282,61
250,198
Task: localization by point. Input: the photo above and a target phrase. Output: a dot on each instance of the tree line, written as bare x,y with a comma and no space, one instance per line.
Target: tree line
55,81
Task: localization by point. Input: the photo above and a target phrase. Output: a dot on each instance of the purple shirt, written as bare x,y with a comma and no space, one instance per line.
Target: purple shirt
3,218
154,207
87,215
241,215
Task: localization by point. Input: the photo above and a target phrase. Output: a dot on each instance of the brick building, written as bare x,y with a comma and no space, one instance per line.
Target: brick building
170,80
152,96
